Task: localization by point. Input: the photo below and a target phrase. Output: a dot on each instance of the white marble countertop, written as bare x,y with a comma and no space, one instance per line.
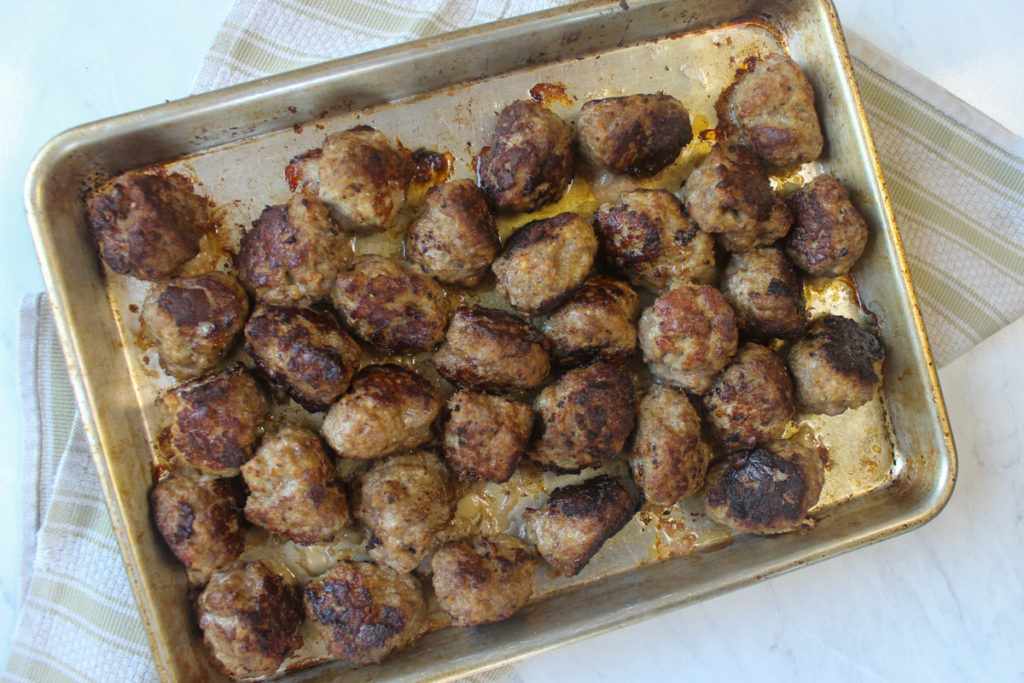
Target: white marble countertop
945,602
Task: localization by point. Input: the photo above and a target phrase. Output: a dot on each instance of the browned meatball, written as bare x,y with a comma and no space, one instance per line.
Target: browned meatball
687,336
773,105
729,195
293,253
752,400
215,420
576,520
543,261
403,501
294,490
363,611
392,305
596,323
647,237
765,490
456,237
148,225
388,409
485,436
828,234
303,351
487,349
483,579
636,134
364,179
200,519
531,159
250,618
766,294
836,366
668,457
584,418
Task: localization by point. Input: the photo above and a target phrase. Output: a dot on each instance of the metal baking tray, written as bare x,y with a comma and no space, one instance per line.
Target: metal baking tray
892,464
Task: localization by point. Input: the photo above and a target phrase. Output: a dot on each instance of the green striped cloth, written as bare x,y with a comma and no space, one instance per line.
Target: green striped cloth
955,178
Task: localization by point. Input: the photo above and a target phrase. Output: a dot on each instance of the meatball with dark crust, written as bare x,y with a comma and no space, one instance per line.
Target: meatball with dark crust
752,400
687,336
576,520
215,420
294,489
486,349
648,237
668,457
596,323
392,305
403,501
200,519
836,366
485,436
765,490
250,618
148,225
637,134
531,159
293,253
584,418
543,261
828,234
730,195
363,179
483,579
388,409
194,321
766,294
304,351
363,611
455,238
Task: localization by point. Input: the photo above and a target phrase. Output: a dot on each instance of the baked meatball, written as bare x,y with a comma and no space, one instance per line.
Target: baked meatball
215,420
828,234
250,618
752,400
766,294
303,351
455,238
487,349
392,305
765,490
294,489
836,366
194,321
364,611
403,501
637,134
596,323
148,225
531,159
543,261
388,409
576,520
293,253
485,436
668,457
363,179
730,195
483,579
772,103
584,418
647,237
687,336
200,519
